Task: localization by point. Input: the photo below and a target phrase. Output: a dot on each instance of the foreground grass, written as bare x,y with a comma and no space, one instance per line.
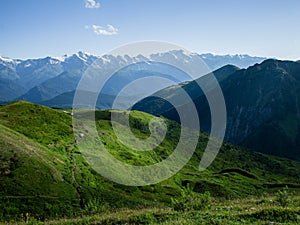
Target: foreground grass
263,210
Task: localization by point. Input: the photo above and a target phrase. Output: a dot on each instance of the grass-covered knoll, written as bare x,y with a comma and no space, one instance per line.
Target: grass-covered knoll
37,144
139,123
48,127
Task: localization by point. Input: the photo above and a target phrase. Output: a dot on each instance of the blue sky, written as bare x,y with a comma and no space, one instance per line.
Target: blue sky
35,28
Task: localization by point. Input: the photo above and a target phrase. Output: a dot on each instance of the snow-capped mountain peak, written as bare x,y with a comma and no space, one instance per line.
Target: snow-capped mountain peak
83,55
9,62
5,59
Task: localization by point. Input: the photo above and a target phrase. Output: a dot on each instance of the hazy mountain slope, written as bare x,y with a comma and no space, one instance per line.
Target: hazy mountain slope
32,73
104,101
65,82
68,81
8,73
64,100
140,70
8,68
9,90
262,108
242,61
58,163
156,104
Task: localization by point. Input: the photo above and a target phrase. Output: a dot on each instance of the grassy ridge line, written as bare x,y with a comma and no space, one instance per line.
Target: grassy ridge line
51,128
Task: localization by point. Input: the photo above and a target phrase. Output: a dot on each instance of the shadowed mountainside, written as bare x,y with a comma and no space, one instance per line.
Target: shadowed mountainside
262,106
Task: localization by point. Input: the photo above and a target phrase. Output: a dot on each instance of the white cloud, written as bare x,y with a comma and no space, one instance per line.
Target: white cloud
92,4
110,30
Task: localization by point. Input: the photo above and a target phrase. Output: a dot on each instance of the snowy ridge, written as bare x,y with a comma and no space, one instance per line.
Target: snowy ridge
170,55
5,59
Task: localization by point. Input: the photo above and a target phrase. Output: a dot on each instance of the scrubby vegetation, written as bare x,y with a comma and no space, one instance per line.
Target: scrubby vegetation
189,200
251,210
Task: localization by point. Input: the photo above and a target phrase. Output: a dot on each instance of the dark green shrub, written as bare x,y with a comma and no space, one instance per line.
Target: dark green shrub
190,200
276,214
33,221
95,206
283,197
200,201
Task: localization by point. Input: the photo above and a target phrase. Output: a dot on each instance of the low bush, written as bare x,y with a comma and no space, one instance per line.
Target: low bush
283,197
189,200
95,206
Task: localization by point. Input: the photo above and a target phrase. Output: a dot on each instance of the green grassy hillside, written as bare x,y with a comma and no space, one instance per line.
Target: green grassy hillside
43,173
32,177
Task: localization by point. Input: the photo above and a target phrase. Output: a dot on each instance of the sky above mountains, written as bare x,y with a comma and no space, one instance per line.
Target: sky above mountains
33,28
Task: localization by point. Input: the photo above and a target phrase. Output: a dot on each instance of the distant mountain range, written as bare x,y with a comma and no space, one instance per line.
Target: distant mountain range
262,100
263,105
39,80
